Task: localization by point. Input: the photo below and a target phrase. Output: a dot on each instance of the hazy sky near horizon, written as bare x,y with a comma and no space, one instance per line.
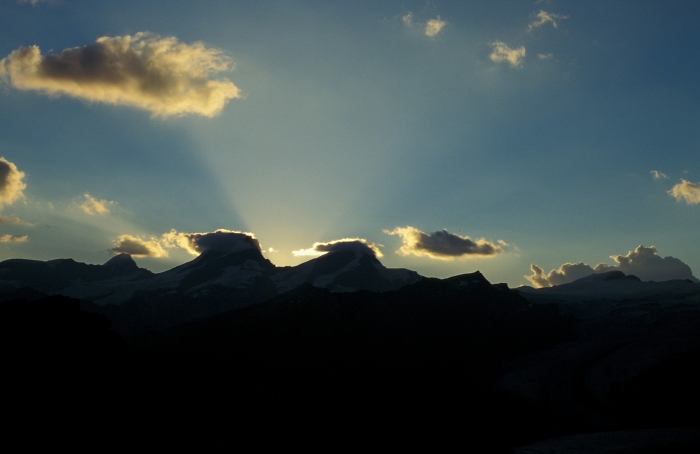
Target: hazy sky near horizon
450,136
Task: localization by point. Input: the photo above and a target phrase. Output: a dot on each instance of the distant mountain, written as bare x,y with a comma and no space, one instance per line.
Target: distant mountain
214,282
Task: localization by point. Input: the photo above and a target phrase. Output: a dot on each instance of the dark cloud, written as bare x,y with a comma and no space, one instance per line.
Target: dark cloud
359,245
220,240
161,75
643,262
442,244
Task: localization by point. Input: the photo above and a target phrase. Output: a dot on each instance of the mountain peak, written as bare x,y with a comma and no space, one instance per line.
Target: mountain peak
121,261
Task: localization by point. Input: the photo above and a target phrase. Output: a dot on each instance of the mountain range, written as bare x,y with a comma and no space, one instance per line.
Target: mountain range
340,353
214,282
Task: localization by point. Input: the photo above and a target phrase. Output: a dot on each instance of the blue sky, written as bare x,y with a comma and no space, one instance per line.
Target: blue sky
552,131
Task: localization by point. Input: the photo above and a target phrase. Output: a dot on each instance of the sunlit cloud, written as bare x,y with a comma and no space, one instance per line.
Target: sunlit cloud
133,245
7,238
91,206
643,262
658,175
502,53
442,244
11,184
687,192
160,75
359,245
566,273
544,17
434,26
11,190
407,19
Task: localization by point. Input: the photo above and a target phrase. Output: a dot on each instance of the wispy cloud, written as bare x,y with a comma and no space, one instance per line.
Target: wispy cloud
431,28
544,17
643,262
7,238
91,206
160,75
659,175
360,245
434,26
686,191
35,2
442,244
502,53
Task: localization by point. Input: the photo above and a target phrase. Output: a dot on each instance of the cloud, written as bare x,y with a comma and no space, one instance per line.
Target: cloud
407,19
92,206
161,75
647,265
127,244
568,272
502,53
14,220
11,184
7,238
543,17
442,244
686,191
545,56
194,243
35,2
346,244
659,175
434,26
643,262
219,240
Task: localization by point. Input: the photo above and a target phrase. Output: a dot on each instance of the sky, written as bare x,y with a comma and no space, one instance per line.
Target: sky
546,139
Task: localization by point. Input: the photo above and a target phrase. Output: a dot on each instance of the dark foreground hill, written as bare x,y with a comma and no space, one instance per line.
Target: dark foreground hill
454,364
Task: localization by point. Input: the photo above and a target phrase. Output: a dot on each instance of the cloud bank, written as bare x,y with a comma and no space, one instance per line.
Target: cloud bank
643,262
161,75
194,243
359,245
442,244
220,240
502,53
687,192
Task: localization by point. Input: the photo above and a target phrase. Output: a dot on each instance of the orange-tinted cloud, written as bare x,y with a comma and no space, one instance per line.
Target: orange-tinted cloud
502,53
